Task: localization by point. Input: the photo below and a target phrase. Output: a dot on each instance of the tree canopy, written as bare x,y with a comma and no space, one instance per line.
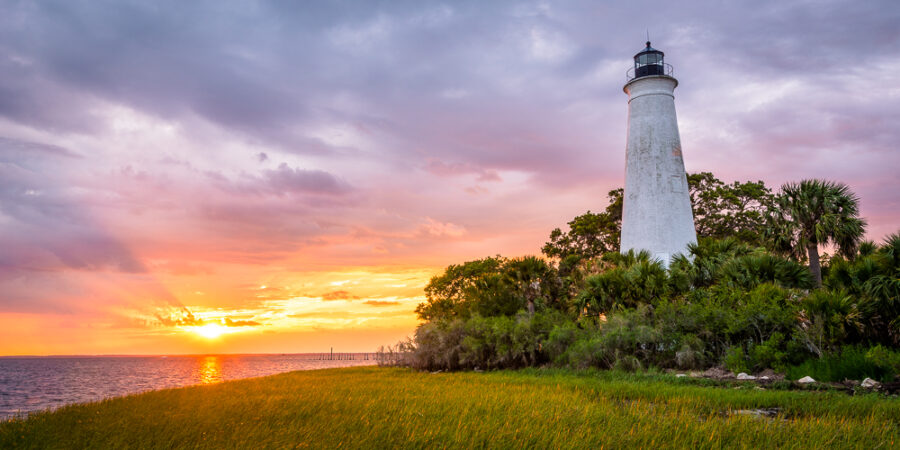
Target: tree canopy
736,210
813,213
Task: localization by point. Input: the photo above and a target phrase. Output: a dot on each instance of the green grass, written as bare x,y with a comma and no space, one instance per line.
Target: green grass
377,408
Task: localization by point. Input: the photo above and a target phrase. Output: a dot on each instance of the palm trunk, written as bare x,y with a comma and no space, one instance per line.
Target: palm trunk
813,250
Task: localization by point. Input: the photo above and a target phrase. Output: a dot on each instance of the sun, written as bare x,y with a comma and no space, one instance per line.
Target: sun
210,330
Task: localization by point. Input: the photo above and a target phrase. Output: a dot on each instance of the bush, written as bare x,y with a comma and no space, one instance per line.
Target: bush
769,354
885,358
632,283
585,352
830,318
735,360
749,271
850,363
691,354
500,342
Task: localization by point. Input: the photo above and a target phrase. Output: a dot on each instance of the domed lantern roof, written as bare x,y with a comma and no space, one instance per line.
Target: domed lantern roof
649,61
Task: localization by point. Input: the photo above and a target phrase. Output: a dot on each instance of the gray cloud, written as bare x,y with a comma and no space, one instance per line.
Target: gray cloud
505,86
45,226
295,180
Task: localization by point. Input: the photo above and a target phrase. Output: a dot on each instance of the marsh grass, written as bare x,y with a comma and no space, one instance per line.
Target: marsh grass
379,407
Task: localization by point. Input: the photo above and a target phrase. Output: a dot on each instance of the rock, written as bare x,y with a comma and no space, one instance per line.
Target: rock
679,375
806,380
744,376
762,412
770,374
717,374
869,383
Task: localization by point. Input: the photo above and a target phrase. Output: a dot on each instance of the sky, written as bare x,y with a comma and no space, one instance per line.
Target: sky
287,176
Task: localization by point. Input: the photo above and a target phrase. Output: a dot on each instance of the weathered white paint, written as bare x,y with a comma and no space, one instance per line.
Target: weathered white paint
656,213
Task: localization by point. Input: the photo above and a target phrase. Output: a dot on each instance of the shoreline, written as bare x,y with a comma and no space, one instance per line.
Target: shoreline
39,384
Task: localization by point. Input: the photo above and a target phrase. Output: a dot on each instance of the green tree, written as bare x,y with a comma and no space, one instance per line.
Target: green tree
534,280
702,268
590,235
634,278
446,294
736,210
872,278
491,287
829,317
812,213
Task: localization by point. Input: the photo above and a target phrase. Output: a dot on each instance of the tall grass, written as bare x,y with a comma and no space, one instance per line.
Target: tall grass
381,407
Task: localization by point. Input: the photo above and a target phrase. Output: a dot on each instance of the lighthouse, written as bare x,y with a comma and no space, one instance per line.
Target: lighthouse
656,213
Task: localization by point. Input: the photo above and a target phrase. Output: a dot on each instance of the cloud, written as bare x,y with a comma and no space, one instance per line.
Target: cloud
443,169
45,226
183,317
441,229
380,303
179,318
294,180
241,323
338,295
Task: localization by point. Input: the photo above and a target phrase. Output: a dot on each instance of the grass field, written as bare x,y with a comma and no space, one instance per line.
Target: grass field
373,407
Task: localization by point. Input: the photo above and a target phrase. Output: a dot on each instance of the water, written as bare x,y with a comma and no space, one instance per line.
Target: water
34,384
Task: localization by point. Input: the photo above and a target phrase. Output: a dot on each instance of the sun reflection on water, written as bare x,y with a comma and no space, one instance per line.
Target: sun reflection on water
210,370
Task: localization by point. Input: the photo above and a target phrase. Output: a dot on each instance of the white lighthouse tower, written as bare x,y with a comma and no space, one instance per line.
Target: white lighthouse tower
656,214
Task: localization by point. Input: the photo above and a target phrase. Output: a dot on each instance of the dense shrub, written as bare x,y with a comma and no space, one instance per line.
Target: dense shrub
873,281
499,342
634,279
885,358
849,363
749,271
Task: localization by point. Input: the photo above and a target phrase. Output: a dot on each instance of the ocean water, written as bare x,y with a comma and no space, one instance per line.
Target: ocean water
30,384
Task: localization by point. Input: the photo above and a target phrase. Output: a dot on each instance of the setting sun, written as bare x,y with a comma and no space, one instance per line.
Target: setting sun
210,330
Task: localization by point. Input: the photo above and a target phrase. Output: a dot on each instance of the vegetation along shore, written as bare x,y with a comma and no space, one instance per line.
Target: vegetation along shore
753,295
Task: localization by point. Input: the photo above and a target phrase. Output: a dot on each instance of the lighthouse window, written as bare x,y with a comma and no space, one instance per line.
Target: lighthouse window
649,58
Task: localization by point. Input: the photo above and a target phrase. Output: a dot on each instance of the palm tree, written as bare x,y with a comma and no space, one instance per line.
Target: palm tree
531,276
817,212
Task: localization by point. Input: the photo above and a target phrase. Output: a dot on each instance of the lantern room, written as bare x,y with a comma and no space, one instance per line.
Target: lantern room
647,62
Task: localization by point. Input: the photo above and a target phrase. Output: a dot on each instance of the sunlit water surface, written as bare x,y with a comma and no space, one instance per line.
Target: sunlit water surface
33,384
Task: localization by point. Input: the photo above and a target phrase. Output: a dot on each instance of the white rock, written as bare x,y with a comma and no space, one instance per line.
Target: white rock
744,376
869,383
806,380
763,377
680,375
